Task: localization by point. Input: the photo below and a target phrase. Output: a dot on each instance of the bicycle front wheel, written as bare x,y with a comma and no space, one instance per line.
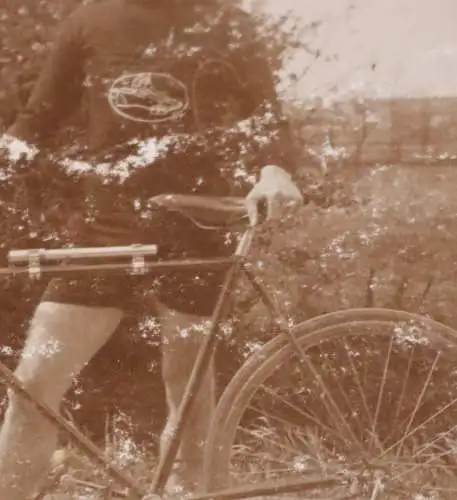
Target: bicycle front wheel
370,396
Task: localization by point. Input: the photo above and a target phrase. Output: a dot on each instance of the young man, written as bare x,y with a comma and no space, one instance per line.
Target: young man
191,78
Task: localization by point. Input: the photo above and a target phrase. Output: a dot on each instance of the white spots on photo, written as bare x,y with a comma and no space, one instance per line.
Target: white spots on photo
149,329
240,172
245,126
54,236
200,328
290,321
88,81
137,205
16,149
327,152
184,332
300,464
184,50
368,238
150,50
23,11
122,449
338,247
45,349
78,390
405,333
126,452
226,327
251,347
168,433
171,37
76,166
5,174
147,152
231,238
107,170
330,151
6,350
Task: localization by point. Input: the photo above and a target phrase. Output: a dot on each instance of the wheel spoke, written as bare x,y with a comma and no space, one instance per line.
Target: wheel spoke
406,494
273,460
425,465
421,465
336,413
280,446
418,402
402,395
359,384
421,425
261,472
381,391
343,393
291,424
309,416
435,440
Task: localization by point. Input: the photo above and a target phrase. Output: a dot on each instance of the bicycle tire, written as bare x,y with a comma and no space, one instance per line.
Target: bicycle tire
238,393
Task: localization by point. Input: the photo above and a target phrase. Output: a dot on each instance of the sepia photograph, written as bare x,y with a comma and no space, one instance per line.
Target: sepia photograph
228,262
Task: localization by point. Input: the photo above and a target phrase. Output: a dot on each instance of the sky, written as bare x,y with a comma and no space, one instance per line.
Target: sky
413,44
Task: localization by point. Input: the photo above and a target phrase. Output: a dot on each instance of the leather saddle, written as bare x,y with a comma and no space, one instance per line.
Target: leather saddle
205,211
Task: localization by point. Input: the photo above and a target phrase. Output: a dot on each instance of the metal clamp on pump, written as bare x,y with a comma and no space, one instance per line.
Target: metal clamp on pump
34,263
138,262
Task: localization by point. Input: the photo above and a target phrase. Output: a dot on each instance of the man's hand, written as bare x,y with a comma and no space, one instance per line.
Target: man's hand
277,189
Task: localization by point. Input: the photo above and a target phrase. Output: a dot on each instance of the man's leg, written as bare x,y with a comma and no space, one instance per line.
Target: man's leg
62,338
182,335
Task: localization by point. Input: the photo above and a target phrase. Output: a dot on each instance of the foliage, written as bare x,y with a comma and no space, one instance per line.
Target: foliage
368,236
38,201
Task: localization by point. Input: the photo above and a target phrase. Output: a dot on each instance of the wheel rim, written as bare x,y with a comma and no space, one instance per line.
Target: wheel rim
379,411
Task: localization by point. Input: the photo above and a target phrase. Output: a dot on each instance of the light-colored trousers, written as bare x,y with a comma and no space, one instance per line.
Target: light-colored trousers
62,339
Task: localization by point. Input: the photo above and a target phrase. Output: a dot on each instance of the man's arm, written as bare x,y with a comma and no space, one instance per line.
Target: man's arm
58,89
260,99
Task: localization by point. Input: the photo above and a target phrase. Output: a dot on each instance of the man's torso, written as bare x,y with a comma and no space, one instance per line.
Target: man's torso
150,72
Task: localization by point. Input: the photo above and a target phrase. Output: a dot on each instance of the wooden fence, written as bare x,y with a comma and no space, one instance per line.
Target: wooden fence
409,131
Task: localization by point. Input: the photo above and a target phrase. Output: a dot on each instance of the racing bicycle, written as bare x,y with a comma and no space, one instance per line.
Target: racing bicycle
352,404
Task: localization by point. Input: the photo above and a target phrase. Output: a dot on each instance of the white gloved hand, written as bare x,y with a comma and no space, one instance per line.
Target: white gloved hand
277,188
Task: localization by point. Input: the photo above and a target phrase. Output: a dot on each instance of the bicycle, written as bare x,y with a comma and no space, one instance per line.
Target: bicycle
359,398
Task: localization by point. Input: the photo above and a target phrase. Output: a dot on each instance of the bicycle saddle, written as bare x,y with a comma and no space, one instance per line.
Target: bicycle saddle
205,211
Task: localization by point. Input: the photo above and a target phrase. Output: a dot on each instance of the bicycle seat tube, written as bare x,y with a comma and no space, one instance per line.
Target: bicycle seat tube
245,243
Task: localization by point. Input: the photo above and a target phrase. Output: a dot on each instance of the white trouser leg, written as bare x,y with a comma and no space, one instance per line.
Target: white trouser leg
182,335
62,338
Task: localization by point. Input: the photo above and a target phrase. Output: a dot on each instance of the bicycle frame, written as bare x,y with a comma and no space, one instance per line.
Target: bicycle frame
234,265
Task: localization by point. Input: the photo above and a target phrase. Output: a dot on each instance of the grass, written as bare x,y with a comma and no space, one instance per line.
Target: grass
73,476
